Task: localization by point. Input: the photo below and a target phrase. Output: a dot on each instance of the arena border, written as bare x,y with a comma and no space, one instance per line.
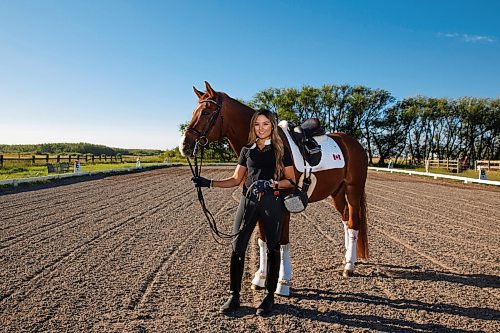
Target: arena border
466,180
32,180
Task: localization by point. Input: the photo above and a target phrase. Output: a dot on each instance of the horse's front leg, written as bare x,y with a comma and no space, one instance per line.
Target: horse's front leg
285,273
259,279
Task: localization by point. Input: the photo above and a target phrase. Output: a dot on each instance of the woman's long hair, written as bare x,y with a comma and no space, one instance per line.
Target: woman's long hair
276,141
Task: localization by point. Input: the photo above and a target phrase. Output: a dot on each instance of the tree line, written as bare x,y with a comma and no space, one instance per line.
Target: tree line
412,129
78,148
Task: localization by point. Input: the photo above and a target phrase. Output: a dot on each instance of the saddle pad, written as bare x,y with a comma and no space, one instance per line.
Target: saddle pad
331,155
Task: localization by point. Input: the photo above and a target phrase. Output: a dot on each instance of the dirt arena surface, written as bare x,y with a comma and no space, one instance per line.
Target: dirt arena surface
133,253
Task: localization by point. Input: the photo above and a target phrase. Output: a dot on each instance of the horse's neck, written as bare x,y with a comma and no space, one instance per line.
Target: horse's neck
238,119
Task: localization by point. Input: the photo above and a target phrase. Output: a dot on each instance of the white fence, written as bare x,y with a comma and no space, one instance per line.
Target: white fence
466,180
15,182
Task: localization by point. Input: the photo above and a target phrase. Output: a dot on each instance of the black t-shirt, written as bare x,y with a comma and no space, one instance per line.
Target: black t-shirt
261,164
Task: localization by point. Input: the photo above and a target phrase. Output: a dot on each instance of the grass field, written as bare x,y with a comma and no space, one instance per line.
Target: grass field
39,171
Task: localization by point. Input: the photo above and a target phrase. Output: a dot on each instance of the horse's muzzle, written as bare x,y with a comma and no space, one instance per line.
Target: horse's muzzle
186,148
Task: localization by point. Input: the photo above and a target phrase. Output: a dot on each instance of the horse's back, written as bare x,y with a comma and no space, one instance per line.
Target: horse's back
355,157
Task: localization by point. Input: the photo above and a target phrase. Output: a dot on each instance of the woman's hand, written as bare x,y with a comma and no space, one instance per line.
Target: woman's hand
201,181
261,186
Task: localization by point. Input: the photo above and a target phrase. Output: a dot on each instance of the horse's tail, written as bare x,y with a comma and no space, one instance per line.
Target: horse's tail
362,243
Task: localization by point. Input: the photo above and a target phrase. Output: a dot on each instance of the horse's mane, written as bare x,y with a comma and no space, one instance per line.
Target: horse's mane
238,103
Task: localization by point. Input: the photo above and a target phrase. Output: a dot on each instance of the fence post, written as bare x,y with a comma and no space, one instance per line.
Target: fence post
32,159
1,160
46,158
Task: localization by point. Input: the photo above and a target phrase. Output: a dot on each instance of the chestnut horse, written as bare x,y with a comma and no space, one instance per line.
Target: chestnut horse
217,116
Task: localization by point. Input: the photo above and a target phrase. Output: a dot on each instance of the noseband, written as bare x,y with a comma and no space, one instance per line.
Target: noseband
201,137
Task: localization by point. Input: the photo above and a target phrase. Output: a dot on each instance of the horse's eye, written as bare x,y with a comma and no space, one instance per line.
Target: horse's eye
205,113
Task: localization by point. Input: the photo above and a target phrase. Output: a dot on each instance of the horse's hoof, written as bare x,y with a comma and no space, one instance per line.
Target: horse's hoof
259,281
283,288
347,273
256,287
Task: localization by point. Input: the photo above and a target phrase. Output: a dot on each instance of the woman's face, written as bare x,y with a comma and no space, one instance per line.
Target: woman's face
263,127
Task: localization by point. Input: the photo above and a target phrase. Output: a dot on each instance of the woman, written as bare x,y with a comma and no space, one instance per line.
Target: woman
269,167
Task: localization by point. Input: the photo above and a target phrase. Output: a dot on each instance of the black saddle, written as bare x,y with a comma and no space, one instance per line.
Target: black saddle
303,136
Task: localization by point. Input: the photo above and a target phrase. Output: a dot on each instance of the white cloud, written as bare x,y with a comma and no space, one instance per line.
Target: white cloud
468,38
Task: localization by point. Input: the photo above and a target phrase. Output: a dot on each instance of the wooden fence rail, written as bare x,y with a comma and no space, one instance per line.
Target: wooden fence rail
452,165
488,164
44,159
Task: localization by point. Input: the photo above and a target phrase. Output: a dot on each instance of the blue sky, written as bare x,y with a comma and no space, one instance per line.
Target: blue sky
120,73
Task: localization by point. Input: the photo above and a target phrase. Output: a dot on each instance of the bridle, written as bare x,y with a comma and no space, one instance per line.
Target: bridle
201,140
202,137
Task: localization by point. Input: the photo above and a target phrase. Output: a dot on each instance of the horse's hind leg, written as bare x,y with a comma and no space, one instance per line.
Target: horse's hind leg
357,220
340,203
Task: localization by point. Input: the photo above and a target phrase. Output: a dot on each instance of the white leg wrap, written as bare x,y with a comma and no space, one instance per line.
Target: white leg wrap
346,234
260,276
350,254
285,275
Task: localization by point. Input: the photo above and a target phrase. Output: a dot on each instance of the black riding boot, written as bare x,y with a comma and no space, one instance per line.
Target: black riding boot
273,268
236,274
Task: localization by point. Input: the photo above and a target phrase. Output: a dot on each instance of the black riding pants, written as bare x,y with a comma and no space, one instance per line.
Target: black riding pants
270,210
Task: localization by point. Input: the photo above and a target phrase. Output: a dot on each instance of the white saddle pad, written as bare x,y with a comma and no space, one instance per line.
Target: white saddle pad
331,155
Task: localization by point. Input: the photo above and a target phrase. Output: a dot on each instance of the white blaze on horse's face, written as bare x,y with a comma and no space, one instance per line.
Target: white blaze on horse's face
182,146
263,127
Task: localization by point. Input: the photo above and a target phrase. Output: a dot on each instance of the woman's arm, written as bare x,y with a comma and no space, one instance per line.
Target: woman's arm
289,173
232,181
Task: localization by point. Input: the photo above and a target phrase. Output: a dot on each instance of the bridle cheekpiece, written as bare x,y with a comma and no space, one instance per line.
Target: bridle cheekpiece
202,137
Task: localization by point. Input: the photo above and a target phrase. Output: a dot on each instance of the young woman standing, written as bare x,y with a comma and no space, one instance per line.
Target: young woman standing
269,167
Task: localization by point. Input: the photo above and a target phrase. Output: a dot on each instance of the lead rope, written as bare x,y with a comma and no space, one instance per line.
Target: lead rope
196,171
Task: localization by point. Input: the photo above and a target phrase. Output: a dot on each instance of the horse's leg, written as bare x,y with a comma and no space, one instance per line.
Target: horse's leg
357,222
285,274
340,203
259,279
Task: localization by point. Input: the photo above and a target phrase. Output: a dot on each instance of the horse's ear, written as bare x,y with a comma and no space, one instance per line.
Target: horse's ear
210,91
197,92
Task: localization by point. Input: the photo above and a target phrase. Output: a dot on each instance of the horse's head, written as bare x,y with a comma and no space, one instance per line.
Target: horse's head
207,122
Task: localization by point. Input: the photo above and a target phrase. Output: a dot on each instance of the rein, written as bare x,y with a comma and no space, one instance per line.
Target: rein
196,171
202,141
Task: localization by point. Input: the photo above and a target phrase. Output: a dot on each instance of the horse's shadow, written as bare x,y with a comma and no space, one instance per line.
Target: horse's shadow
365,322
415,273
402,304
